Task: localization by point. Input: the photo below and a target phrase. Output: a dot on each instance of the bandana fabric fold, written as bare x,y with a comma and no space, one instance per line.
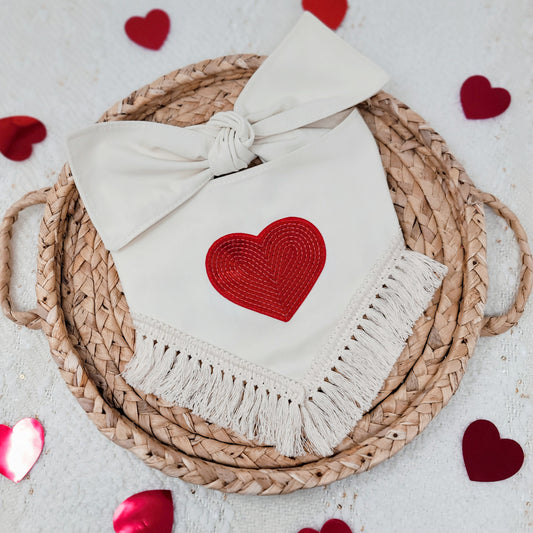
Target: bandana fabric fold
273,115
275,299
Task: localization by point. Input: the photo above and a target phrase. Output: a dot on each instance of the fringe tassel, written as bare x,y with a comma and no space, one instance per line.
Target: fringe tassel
333,396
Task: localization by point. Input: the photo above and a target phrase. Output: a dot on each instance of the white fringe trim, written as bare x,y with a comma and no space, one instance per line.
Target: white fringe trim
313,414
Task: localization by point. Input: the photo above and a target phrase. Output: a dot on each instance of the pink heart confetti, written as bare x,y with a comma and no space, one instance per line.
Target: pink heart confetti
20,447
487,456
150,31
18,134
480,100
331,526
330,12
151,511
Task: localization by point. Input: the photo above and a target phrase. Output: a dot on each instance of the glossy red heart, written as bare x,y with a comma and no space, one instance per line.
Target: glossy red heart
487,457
18,134
480,100
151,511
330,12
331,526
20,447
272,273
150,31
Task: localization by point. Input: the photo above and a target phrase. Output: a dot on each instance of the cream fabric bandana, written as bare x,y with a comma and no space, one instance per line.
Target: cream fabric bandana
273,300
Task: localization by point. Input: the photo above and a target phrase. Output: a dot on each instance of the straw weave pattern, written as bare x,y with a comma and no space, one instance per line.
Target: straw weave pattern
83,312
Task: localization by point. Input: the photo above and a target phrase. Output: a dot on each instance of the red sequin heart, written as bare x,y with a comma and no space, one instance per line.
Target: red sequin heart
20,448
330,12
151,511
331,526
150,31
17,134
272,273
487,457
480,100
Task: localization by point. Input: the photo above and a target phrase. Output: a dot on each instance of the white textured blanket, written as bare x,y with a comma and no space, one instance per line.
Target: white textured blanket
66,61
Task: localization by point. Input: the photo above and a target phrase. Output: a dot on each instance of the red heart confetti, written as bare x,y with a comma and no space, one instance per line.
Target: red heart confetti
330,12
480,100
20,447
18,134
272,273
150,31
331,526
151,511
487,457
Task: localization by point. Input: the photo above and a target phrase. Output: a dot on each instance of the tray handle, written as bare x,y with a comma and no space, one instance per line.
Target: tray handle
495,325
31,319
491,325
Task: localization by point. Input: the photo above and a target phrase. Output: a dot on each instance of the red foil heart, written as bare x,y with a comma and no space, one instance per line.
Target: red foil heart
330,12
331,526
151,511
20,447
150,31
487,457
480,100
272,273
18,134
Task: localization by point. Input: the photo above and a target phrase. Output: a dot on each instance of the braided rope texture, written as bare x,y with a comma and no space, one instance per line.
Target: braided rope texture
91,336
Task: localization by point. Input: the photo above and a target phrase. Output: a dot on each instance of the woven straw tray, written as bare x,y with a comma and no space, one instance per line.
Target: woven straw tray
83,312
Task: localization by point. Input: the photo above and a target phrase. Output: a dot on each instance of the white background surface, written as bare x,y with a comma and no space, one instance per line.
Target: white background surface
66,61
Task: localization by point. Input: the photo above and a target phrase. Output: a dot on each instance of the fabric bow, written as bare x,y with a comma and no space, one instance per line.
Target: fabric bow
142,171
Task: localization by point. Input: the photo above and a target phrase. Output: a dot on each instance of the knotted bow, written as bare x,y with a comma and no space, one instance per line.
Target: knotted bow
233,138
131,174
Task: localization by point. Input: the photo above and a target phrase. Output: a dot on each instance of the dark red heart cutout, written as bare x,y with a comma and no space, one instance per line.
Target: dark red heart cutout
331,526
151,511
150,31
272,273
487,457
330,12
17,135
480,100
20,447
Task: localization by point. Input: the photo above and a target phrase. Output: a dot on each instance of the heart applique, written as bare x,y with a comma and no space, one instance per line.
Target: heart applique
150,31
330,12
20,447
18,134
488,457
480,100
331,526
151,511
271,273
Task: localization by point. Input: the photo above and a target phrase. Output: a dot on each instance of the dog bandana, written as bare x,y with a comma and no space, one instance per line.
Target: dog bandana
275,299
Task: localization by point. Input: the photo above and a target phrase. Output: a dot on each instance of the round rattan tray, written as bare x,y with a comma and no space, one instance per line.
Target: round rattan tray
84,314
